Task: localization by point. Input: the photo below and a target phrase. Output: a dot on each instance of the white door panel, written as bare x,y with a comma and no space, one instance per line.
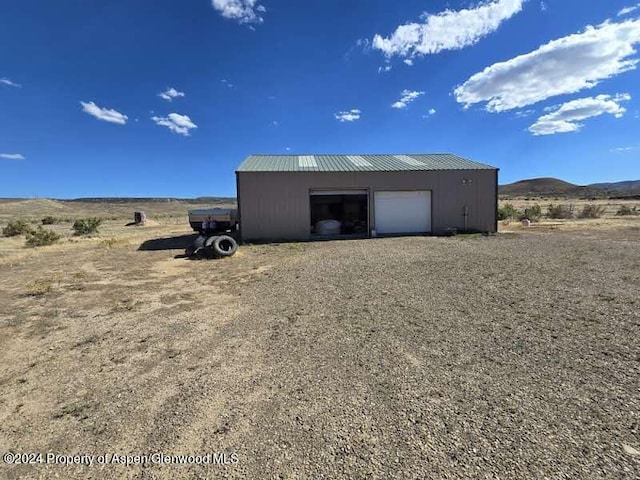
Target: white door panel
403,212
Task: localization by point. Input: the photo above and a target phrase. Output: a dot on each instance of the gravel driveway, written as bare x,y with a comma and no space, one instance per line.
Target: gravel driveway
516,356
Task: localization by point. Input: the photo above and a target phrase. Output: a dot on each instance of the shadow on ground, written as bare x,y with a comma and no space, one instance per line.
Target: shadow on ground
168,243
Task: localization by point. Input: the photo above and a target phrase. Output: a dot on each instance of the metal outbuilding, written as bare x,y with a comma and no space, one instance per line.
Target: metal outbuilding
302,197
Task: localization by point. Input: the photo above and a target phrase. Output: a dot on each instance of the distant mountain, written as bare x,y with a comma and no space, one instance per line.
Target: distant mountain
553,187
153,200
213,199
626,185
545,187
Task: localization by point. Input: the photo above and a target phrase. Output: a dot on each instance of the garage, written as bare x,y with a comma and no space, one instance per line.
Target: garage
399,212
331,196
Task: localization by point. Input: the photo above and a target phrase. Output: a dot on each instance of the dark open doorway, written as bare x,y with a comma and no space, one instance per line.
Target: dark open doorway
339,213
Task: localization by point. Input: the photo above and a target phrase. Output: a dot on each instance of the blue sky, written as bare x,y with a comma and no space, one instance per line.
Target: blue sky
167,97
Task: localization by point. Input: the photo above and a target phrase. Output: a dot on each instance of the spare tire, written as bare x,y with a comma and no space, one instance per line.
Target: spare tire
207,249
224,246
195,246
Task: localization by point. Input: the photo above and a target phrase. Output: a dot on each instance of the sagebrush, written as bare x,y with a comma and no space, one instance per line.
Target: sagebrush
592,211
41,237
51,220
560,211
507,212
38,288
626,210
15,228
532,213
86,226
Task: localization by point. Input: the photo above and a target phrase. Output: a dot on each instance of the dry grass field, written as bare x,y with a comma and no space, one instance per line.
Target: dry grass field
610,206
508,356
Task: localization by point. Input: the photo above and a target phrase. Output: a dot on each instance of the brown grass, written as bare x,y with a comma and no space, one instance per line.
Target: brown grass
610,206
608,220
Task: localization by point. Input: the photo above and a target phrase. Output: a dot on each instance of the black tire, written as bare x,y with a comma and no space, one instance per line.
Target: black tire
224,246
207,248
197,244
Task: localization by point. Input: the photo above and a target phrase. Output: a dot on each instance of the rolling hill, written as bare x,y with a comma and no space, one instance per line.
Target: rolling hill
544,187
553,187
151,199
618,186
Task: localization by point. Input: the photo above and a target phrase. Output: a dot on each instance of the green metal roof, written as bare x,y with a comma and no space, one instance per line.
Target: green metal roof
358,163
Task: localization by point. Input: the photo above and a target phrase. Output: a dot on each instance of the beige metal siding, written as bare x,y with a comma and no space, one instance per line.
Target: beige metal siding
275,205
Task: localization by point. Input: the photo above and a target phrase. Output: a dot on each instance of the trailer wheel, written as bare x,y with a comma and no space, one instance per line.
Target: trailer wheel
195,246
207,248
224,246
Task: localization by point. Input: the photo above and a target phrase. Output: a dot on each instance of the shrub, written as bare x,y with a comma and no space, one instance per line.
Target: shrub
49,220
86,226
560,211
41,237
532,213
508,211
15,228
38,288
625,210
109,242
592,211
127,304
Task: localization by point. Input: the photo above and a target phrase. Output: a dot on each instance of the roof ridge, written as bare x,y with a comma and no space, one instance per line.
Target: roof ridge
344,154
344,162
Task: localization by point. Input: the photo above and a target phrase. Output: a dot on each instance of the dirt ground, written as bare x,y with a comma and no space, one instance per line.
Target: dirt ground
509,356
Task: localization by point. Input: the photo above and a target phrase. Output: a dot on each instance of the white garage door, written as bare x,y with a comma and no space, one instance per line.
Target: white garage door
403,212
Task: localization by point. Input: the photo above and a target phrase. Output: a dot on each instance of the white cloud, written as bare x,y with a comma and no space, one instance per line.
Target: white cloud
623,149
430,112
525,113
288,149
227,83
543,7
406,98
275,123
9,83
12,156
562,66
361,44
448,30
106,114
171,93
628,10
177,123
385,68
245,11
348,115
408,61
566,117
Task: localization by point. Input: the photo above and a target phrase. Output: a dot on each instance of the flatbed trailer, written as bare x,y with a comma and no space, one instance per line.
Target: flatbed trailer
213,219
218,229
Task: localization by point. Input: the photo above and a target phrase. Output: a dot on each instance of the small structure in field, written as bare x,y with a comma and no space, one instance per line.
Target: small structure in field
139,218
